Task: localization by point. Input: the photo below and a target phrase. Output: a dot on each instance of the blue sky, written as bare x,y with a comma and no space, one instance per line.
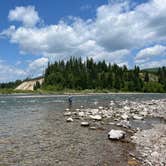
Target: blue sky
33,32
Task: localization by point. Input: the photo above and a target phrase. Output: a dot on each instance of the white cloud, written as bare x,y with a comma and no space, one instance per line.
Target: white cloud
151,64
8,72
151,52
37,67
27,15
118,29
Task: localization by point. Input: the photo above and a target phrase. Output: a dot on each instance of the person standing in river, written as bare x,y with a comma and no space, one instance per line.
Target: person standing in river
70,100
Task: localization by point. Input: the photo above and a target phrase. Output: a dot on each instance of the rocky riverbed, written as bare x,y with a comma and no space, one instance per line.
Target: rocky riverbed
144,120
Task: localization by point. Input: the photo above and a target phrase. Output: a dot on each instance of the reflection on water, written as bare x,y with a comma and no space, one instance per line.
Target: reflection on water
34,132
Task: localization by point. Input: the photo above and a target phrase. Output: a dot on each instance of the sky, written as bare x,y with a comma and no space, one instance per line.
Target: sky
35,32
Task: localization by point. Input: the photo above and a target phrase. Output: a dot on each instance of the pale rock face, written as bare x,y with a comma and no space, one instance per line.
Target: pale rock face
116,134
96,117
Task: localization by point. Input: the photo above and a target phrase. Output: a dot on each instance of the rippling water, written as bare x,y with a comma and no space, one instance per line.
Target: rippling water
33,131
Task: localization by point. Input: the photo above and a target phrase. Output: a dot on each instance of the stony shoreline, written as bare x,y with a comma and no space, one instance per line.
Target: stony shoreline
146,120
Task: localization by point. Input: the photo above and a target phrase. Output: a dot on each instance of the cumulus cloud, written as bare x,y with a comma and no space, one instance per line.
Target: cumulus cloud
150,52
119,29
37,67
27,15
151,64
8,72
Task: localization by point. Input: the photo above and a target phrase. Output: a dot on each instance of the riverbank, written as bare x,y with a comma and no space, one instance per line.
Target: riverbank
146,120
66,92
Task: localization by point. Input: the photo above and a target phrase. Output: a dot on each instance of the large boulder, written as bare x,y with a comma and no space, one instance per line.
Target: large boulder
116,134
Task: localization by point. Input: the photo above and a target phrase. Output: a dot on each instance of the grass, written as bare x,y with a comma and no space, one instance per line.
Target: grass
13,91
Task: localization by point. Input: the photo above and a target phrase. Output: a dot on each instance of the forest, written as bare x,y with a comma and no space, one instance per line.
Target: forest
80,75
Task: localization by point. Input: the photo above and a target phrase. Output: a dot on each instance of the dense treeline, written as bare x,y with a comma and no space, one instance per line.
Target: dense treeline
80,75
10,85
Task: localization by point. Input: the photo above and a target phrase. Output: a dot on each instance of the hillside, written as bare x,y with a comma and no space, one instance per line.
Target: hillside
29,84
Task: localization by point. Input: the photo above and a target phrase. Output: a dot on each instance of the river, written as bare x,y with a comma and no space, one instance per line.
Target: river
34,132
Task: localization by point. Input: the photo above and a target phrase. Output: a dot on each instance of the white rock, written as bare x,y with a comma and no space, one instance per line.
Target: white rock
155,155
77,109
100,107
143,113
138,117
125,116
96,117
67,109
126,108
81,106
81,114
69,120
94,111
67,113
116,134
85,124
93,128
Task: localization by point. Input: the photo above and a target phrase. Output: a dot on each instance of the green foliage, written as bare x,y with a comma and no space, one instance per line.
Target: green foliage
78,75
146,79
37,85
89,76
153,87
10,85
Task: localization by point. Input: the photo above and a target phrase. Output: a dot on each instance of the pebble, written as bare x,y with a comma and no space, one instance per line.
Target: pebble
81,114
85,124
96,117
67,114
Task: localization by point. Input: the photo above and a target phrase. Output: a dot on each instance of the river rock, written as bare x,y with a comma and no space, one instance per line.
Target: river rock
94,111
67,109
93,128
67,114
81,114
100,107
125,116
85,124
69,120
116,134
124,123
96,117
136,117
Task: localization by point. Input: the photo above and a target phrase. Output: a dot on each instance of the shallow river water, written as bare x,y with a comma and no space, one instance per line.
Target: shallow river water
33,132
